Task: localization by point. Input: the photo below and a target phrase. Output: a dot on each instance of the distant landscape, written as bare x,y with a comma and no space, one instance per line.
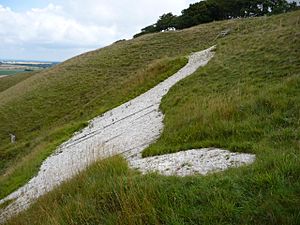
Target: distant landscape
11,67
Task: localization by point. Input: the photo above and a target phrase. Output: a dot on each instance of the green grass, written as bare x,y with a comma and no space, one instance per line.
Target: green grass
246,99
12,80
248,96
6,203
109,193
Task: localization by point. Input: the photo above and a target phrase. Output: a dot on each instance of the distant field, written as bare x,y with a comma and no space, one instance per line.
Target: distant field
12,68
10,72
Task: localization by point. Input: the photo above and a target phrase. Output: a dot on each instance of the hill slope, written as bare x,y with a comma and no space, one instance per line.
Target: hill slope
45,109
246,99
12,80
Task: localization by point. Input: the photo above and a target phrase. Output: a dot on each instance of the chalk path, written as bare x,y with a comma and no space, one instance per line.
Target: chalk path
126,130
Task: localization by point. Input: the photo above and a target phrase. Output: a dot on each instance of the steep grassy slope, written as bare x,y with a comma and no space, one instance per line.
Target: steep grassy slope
12,80
247,99
45,109
43,117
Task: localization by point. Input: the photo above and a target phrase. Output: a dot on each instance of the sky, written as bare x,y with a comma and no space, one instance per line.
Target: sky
52,30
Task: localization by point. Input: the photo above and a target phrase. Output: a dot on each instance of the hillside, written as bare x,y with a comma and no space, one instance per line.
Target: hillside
45,110
245,100
10,81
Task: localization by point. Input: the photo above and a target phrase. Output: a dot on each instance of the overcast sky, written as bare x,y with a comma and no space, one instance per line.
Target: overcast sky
57,30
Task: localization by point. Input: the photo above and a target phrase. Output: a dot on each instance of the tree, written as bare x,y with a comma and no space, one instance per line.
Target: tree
279,6
210,10
197,13
147,30
166,21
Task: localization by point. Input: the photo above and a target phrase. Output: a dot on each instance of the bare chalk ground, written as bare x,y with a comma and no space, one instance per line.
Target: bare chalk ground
191,162
127,130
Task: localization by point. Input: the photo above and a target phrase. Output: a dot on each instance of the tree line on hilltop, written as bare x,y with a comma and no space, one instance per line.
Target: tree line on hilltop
214,10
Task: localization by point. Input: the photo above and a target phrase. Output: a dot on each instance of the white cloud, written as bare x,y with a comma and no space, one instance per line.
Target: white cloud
50,26
74,26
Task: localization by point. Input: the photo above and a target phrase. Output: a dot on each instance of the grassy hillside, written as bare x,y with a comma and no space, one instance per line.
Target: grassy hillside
247,99
12,80
42,116
45,109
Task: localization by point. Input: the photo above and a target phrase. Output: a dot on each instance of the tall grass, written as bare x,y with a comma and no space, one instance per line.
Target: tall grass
109,193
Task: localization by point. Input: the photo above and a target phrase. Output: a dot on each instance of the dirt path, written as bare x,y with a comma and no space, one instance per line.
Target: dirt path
126,130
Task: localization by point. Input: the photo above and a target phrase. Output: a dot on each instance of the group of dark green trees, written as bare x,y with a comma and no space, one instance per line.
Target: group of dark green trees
213,10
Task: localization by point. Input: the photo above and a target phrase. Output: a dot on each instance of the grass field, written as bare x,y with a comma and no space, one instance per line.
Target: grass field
10,72
246,99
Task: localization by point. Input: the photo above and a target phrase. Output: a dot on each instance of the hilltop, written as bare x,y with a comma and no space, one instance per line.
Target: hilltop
246,100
